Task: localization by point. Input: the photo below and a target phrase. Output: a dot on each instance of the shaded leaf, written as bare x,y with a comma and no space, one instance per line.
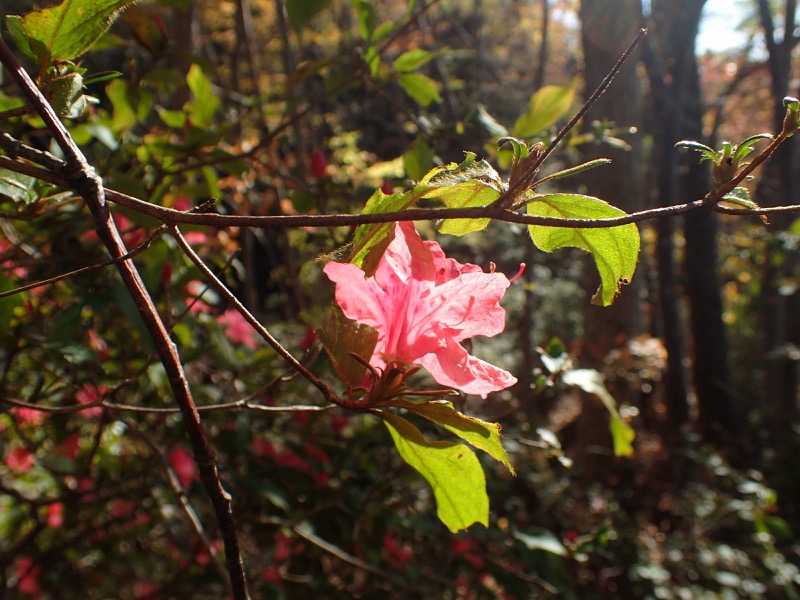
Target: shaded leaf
546,106
147,28
302,11
484,436
615,249
591,382
21,189
340,337
418,159
367,18
451,469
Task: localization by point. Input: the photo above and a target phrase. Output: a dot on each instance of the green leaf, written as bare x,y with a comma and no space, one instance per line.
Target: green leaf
21,189
371,239
591,382
452,470
706,152
204,103
746,147
367,18
66,94
615,249
464,195
412,60
124,116
421,88
488,126
340,336
546,106
542,539
176,119
66,31
484,436
418,159
302,11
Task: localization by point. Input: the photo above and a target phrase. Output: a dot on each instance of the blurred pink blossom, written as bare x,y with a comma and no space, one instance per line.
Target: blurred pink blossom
238,330
183,464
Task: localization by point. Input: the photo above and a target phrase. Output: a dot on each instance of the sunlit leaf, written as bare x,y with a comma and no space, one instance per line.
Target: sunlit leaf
451,469
481,434
66,31
591,382
204,102
412,60
464,195
546,106
615,249
542,539
420,87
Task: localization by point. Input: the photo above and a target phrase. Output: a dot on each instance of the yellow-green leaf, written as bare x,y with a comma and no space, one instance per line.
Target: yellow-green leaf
66,31
420,87
615,249
452,470
412,60
546,106
464,195
484,436
204,102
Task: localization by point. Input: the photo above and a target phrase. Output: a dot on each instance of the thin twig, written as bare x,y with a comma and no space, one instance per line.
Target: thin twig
180,492
137,250
327,392
525,179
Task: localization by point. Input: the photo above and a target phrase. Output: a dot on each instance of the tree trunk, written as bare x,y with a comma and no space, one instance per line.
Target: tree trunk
674,77
607,27
781,321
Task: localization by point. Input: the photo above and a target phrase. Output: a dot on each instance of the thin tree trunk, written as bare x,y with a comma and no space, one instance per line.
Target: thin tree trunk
607,27
527,325
781,321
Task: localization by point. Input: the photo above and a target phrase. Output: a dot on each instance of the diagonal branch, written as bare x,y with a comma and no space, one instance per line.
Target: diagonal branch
81,177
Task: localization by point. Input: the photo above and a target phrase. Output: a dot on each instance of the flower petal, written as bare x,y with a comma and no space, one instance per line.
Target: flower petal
453,366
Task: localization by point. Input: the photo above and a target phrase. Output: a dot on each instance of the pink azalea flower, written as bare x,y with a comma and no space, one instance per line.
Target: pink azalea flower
90,394
238,330
423,305
184,466
20,459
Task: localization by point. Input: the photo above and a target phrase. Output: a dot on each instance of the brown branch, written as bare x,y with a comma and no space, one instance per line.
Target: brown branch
171,216
81,177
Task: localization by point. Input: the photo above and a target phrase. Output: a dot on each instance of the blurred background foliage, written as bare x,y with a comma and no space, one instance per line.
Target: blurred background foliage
294,107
